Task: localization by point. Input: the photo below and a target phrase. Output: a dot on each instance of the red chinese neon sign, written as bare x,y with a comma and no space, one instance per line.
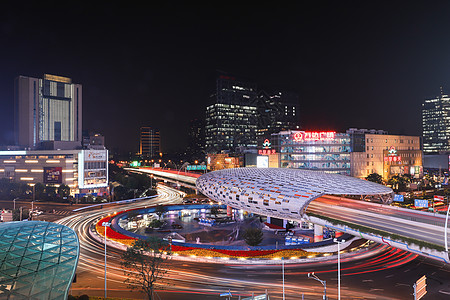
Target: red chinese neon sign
314,136
266,152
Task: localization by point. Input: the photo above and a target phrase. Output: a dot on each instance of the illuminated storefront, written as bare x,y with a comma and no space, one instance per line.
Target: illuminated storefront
387,155
326,151
399,162
84,171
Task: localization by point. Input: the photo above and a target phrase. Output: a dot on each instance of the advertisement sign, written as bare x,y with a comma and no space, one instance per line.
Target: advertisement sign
420,203
95,155
399,198
262,161
53,175
314,136
266,151
438,198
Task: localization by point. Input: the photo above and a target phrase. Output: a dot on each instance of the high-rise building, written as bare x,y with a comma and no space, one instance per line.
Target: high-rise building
277,111
231,121
436,124
47,109
196,140
149,145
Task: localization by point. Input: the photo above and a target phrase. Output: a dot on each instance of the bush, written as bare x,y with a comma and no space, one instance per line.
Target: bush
155,223
253,236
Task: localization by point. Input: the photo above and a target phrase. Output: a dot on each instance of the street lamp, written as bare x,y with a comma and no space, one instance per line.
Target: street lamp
445,228
339,265
282,263
323,282
106,225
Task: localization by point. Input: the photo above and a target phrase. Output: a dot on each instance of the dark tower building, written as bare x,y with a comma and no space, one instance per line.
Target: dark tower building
196,140
149,142
277,111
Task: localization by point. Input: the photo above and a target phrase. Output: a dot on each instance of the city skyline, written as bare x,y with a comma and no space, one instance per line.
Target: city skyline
352,66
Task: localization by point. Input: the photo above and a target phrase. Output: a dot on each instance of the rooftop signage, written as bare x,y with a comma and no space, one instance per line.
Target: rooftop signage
300,136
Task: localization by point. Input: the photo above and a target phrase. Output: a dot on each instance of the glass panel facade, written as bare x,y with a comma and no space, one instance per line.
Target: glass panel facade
329,154
37,260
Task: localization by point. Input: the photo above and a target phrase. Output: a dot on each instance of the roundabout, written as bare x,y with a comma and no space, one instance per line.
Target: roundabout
194,233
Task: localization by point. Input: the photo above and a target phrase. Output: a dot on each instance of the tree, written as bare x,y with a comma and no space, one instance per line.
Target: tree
16,214
375,177
145,263
63,190
160,210
253,236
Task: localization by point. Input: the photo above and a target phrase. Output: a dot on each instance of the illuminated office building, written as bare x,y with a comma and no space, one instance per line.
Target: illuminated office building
47,109
149,143
231,121
436,124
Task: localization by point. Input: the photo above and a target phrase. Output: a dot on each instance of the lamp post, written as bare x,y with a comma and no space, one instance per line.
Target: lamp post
178,173
339,265
106,225
445,228
282,263
323,282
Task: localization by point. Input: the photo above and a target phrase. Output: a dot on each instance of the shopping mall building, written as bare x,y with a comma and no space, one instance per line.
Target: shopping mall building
357,152
85,171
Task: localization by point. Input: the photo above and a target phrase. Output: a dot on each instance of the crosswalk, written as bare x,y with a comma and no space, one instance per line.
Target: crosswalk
61,212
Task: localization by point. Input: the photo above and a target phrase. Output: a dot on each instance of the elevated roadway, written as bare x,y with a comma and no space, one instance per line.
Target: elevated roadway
181,178
414,231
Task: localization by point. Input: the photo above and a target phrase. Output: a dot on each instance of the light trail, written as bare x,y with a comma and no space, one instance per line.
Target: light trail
211,279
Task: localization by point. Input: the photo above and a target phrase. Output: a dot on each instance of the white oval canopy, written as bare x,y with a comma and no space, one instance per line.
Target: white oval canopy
281,192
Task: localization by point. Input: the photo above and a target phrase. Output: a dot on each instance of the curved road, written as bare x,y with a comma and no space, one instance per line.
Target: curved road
370,274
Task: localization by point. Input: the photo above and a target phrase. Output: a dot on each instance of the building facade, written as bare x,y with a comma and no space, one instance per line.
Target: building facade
84,171
231,121
277,111
436,124
358,152
47,109
386,155
149,142
326,151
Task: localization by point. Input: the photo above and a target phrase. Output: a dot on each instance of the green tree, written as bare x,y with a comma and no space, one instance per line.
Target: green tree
50,191
160,210
16,214
145,263
375,177
253,236
39,190
63,190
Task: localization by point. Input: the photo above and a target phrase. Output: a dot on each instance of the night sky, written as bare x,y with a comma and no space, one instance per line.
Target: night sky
352,64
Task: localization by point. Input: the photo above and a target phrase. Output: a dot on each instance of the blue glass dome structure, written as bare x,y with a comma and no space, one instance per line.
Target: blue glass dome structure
37,260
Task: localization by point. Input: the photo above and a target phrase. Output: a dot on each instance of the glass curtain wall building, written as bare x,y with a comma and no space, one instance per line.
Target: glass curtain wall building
277,111
321,151
436,124
231,121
